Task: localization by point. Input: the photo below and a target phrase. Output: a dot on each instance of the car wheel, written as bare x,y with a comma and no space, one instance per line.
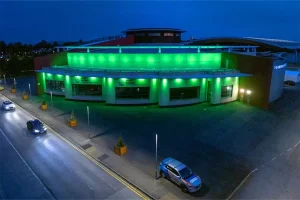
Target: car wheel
184,188
162,174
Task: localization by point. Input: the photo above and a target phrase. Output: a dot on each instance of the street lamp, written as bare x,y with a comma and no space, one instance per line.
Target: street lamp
88,116
51,102
242,91
156,138
4,79
29,90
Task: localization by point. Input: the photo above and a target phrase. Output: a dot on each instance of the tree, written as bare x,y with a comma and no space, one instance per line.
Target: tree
3,47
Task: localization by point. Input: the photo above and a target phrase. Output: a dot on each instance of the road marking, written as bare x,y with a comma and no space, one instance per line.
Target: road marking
289,149
122,180
238,187
274,158
41,182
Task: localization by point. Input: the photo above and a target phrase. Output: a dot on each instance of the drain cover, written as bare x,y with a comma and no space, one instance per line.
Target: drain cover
103,157
86,146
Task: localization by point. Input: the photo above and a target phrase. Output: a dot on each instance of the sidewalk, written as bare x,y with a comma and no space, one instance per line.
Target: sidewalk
97,147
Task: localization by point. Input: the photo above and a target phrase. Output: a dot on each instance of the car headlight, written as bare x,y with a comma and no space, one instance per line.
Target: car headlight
6,107
36,131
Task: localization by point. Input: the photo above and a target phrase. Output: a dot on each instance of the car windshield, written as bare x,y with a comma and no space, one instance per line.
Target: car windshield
7,103
185,173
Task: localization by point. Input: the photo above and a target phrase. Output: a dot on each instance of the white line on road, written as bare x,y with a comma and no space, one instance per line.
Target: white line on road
289,149
45,187
238,187
274,158
298,143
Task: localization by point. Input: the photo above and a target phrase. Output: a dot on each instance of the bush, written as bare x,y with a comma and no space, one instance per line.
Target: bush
72,117
120,142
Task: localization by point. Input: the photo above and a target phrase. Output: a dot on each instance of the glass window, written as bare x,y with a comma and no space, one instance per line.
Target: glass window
185,173
153,34
184,93
168,34
53,85
140,34
132,92
86,90
226,91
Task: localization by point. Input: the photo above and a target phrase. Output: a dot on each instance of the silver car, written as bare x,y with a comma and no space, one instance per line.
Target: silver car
8,105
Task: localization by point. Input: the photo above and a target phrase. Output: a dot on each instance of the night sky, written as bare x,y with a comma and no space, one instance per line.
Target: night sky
30,22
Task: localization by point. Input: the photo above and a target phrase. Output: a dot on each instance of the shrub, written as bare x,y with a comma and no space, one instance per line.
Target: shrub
72,117
120,142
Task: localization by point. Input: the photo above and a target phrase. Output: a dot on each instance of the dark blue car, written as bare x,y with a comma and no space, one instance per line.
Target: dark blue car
180,174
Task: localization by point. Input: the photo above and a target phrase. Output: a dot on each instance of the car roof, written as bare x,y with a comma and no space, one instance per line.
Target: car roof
36,121
176,164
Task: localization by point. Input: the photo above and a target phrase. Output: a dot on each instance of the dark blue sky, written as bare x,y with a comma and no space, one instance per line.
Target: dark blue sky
30,22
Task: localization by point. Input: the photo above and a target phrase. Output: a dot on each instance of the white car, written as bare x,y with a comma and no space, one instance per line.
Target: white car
8,105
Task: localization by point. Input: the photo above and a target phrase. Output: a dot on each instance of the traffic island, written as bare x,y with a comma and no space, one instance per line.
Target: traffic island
120,148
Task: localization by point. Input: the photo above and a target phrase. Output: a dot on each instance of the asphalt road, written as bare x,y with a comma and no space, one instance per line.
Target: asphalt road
65,172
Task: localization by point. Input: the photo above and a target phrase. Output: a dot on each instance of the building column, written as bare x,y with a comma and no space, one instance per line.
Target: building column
164,92
41,83
110,91
104,88
68,87
203,91
154,90
215,90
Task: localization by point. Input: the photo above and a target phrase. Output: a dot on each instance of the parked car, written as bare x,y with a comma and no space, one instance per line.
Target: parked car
180,174
8,105
289,83
36,126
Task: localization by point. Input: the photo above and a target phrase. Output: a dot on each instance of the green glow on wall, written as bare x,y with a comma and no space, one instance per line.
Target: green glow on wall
77,76
109,80
48,74
178,80
164,81
146,61
194,79
123,79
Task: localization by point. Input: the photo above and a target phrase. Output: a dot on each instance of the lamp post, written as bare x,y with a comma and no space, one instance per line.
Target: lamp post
248,96
88,117
156,156
29,90
242,91
4,79
51,102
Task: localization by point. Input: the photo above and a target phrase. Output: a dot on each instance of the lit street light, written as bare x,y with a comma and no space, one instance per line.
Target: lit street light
88,116
156,156
29,90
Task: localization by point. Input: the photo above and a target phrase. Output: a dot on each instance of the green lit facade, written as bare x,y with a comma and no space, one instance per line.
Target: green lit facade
166,79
